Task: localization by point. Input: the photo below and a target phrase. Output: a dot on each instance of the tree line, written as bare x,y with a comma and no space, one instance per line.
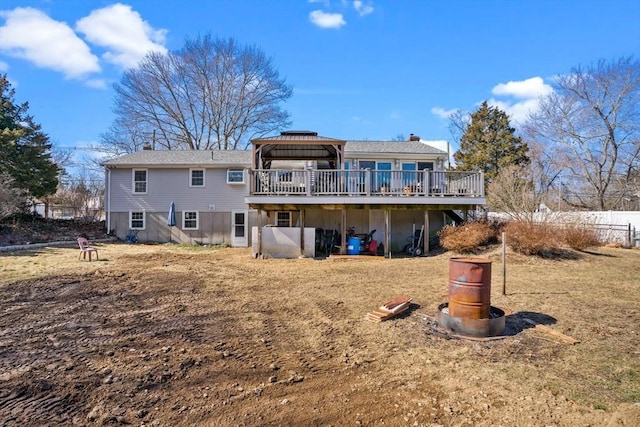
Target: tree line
214,93
27,170
579,150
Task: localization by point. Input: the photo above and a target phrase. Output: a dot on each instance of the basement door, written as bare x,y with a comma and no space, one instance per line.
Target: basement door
239,228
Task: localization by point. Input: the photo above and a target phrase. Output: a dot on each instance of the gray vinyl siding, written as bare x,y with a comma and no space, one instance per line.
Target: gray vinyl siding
172,185
214,228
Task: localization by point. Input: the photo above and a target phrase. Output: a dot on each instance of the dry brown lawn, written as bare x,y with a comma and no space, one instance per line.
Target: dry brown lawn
172,335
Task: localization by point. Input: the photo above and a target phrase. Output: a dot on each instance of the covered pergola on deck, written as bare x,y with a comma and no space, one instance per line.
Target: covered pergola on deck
298,145
321,181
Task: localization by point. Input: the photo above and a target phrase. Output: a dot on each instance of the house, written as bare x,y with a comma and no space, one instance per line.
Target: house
288,192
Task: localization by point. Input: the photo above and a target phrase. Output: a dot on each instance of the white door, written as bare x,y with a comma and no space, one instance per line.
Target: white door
239,228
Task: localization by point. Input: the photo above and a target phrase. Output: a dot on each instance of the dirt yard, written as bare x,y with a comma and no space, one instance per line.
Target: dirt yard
170,335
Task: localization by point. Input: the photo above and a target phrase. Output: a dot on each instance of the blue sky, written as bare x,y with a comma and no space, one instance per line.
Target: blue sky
369,69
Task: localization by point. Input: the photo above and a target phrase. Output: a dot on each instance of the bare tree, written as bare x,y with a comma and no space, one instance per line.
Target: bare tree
12,199
81,194
513,192
124,136
212,94
458,122
546,174
590,123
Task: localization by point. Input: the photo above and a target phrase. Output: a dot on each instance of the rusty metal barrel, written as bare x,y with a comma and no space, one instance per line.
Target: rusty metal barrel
470,288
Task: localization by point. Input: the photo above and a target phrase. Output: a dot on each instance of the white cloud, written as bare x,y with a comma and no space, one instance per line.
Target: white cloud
527,94
361,8
516,98
32,35
442,113
529,88
517,111
327,20
123,32
4,66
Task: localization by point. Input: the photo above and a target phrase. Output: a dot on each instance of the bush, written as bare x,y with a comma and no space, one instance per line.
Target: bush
466,238
529,238
579,237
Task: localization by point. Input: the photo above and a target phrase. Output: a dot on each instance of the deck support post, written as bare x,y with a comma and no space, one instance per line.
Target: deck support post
343,231
425,235
387,233
302,211
259,252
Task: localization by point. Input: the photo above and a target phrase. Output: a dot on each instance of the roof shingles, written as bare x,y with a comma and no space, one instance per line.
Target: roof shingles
183,157
243,157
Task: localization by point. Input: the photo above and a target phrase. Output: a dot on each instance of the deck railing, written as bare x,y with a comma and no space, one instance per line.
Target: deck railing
365,182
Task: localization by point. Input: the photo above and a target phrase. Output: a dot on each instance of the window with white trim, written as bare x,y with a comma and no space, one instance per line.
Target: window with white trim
139,181
196,177
190,220
136,220
235,176
283,219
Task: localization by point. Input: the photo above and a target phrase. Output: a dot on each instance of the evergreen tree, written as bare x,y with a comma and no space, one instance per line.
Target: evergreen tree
25,151
489,144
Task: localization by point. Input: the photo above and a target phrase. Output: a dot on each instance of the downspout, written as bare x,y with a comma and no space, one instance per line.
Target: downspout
108,199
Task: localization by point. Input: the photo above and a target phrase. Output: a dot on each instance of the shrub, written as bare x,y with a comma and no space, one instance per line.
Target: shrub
529,238
579,237
467,237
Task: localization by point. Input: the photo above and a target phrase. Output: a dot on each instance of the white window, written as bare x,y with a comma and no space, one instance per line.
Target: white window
235,176
196,177
283,219
136,220
190,220
139,181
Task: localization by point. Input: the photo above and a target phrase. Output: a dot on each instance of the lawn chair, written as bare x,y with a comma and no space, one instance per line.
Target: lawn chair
85,248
